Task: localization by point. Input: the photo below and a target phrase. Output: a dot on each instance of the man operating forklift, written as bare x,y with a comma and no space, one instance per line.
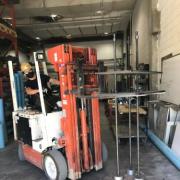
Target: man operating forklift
31,88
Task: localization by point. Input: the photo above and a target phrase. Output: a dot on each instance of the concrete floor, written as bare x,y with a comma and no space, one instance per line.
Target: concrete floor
154,166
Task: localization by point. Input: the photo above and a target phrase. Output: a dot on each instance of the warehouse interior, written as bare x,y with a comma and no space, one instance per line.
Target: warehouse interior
89,89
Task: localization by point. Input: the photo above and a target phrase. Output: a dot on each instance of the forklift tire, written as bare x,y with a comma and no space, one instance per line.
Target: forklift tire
20,153
55,166
104,152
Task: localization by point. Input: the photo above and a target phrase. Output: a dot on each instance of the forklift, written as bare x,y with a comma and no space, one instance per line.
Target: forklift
64,143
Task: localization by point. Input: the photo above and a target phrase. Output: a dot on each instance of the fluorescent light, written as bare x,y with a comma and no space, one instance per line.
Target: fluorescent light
99,12
106,33
7,18
68,36
38,38
53,15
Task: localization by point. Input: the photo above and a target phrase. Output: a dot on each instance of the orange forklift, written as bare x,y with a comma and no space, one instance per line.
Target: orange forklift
67,143
81,125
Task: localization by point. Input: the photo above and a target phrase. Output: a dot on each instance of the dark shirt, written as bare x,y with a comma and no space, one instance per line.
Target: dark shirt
33,84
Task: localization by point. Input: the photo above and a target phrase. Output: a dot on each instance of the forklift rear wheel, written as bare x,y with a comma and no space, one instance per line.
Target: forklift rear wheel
55,165
20,152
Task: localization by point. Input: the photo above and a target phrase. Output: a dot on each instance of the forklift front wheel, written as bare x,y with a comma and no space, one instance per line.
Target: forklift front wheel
55,165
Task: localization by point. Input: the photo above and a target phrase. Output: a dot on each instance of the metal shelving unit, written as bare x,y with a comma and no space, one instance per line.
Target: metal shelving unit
133,91
115,96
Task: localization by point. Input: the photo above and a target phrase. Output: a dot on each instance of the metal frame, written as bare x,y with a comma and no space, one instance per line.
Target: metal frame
127,72
123,94
127,95
130,138
39,83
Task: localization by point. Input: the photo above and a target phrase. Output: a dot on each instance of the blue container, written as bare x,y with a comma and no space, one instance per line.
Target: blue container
2,125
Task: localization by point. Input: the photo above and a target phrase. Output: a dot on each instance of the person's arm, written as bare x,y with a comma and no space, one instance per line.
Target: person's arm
54,81
30,91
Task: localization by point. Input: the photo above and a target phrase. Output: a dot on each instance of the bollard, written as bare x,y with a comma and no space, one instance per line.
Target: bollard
2,137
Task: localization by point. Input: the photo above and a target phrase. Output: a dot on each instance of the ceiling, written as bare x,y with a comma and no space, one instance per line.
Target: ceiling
77,18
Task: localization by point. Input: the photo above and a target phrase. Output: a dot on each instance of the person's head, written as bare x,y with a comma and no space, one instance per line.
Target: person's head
26,68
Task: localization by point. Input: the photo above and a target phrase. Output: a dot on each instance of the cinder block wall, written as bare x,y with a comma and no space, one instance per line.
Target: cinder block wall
153,47
169,39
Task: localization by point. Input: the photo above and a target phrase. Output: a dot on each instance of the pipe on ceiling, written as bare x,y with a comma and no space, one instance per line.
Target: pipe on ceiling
70,21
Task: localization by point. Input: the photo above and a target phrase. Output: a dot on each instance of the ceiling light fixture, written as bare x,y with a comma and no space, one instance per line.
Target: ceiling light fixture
99,12
53,16
56,17
38,38
68,36
101,8
7,18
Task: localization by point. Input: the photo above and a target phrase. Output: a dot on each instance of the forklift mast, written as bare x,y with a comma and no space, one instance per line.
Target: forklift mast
81,121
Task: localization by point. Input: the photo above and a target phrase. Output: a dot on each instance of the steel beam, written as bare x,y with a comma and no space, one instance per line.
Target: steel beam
129,72
125,94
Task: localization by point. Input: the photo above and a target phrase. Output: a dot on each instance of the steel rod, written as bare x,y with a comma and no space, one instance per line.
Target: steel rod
130,147
115,83
118,95
115,61
82,103
127,72
117,143
130,41
137,105
137,48
135,83
114,48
